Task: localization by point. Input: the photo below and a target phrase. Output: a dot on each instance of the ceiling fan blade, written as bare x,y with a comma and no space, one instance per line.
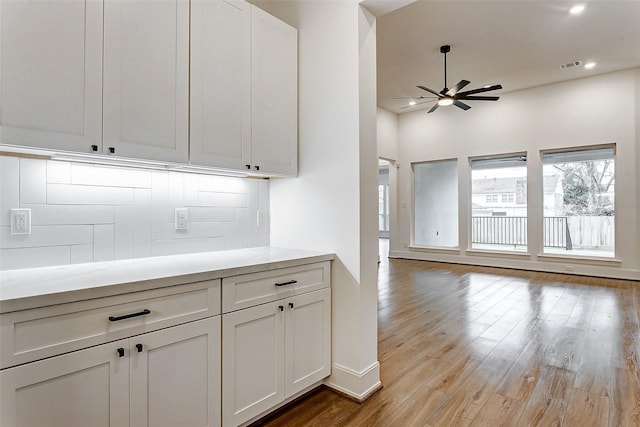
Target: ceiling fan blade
480,98
429,90
415,97
434,108
417,103
461,105
456,88
479,90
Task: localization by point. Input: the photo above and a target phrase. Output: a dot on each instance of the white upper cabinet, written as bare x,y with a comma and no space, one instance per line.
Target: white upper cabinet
207,82
243,88
51,74
146,79
220,116
274,69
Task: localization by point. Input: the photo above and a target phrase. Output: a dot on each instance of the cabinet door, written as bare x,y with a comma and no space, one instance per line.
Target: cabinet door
146,79
175,376
51,74
252,362
307,340
85,388
275,97
220,114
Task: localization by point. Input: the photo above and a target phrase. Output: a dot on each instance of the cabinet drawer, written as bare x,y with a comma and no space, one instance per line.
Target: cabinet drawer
43,332
247,290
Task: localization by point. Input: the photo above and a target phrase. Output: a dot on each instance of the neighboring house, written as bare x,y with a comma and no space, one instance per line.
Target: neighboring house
508,196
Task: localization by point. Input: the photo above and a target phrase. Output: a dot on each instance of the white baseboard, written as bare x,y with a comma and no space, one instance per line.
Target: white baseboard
544,264
358,385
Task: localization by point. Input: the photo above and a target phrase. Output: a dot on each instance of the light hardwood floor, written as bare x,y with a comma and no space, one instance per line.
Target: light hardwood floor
473,346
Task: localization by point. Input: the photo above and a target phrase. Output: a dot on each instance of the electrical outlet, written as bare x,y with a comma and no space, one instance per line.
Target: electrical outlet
20,221
182,219
261,218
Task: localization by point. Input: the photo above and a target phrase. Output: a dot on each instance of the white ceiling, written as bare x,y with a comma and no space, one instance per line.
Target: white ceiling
516,43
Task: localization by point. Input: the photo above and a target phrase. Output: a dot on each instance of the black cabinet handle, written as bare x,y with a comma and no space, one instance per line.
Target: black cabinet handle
139,347
120,352
94,148
281,307
248,166
129,316
112,150
290,282
290,305
257,167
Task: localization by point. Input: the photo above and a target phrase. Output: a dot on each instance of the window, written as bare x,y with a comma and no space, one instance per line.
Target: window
499,226
507,198
435,204
383,200
579,195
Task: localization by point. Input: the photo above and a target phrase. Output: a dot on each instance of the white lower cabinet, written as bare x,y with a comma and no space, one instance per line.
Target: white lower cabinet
85,388
167,378
272,351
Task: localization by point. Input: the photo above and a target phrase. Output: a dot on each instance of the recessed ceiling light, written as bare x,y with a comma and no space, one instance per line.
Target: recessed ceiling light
577,9
589,65
412,102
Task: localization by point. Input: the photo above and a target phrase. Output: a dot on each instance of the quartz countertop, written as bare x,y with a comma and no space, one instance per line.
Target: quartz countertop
39,287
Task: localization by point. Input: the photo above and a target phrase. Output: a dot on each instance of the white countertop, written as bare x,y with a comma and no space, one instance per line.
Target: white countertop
39,287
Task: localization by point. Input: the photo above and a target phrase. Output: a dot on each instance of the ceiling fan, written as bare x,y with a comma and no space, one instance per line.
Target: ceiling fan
453,96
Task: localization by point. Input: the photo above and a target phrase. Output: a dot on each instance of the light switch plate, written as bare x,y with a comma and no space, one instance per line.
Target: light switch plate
20,221
182,219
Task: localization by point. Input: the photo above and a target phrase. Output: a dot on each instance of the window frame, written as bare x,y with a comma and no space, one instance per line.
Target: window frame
572,256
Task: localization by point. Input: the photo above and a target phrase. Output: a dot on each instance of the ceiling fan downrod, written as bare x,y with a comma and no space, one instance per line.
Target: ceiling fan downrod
445,49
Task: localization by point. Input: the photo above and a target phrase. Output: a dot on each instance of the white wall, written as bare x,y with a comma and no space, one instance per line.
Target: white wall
86,213
436,204
332,204
595,110
387,134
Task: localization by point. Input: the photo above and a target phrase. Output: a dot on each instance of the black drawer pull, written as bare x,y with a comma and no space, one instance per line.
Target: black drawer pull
120,352
139,348
290,282
129,316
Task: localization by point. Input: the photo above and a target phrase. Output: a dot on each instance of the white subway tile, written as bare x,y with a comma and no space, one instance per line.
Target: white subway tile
103,243
264,240
110,176
195,230
222,184
58,172
190,189
186,246
9,187
176,189
235,236
232,200
87,213
161,211
11,259
81,254
209,214
142,224
70,214
33,181
63,194
263,195
49,235
124,229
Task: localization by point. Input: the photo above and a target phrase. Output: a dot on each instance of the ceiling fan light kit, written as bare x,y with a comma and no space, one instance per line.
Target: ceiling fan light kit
453,96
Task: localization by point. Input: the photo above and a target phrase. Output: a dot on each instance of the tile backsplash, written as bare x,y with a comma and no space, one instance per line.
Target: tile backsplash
87,213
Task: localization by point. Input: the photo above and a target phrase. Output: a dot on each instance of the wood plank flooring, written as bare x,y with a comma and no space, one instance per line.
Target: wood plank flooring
474,346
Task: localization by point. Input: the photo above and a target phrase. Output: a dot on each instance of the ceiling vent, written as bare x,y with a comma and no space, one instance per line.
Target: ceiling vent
570,65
